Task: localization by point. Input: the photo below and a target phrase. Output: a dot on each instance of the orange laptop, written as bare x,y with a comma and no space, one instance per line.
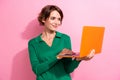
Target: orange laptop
92,38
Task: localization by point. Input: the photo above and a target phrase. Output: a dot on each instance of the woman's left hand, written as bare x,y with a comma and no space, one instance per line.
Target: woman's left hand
88,57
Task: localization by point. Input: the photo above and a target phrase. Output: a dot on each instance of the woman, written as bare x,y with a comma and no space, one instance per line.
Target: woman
44,50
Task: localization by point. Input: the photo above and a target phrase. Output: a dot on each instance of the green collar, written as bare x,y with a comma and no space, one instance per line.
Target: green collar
58,35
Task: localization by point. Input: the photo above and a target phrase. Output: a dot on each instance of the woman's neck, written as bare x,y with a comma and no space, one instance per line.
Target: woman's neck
48,37
48,34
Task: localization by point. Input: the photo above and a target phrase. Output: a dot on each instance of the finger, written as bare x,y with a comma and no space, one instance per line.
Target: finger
68,51
59,57
65,51
73,58
78,59
92,53
93,50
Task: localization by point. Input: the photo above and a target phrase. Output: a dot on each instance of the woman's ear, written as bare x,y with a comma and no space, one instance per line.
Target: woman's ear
43,20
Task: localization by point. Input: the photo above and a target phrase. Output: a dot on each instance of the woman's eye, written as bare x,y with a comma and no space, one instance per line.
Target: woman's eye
52,18
59,19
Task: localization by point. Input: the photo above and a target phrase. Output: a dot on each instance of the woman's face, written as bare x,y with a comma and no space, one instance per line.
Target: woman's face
53,21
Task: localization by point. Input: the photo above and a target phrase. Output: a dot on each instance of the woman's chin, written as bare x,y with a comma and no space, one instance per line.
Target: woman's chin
53,29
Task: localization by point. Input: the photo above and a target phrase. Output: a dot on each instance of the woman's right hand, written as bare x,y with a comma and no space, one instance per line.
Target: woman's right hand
88,57
64,52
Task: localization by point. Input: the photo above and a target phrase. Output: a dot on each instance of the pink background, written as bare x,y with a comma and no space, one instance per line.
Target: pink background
18,24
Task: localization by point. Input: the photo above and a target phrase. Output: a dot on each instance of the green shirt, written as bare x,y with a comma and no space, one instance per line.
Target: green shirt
43,58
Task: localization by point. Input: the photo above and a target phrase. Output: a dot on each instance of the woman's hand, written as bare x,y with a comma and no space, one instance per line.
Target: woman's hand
89,57
64,52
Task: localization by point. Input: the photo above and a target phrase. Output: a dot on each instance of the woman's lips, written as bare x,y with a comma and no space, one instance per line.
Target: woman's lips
54,26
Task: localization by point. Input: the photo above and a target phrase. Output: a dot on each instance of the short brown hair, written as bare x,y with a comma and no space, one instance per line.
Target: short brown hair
45,12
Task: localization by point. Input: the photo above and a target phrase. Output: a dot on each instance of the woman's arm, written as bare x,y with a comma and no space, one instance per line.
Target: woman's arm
37,67
69,64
